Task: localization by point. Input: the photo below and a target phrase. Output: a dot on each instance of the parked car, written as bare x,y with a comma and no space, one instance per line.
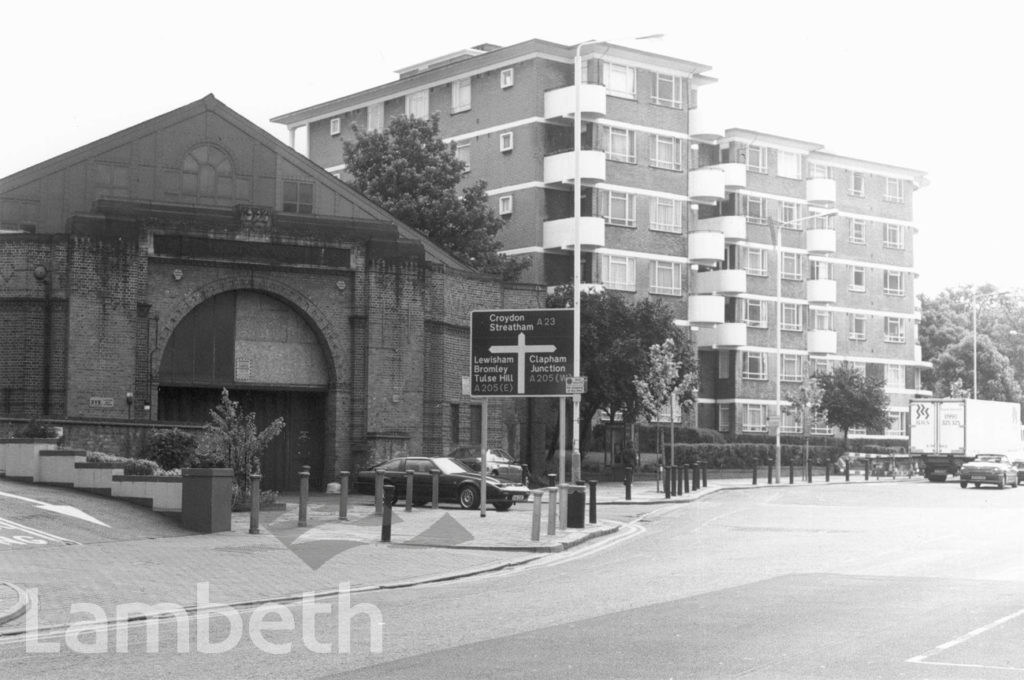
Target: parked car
499,463
456,482
989,468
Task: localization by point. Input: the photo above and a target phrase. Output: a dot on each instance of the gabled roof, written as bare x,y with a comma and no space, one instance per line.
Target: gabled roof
210,103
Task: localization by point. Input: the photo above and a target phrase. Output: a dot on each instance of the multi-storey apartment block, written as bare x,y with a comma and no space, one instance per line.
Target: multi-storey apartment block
674,209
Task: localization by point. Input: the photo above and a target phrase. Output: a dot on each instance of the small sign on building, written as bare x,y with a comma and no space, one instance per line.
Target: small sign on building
101,402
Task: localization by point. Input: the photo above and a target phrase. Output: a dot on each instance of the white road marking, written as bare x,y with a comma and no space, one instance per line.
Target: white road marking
922,658
45,536
69,510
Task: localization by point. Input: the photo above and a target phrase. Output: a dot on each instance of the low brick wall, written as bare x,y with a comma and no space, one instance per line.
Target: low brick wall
162,494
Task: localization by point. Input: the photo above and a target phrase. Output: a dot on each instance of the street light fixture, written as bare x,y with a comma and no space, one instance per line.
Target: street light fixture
577,265
777,242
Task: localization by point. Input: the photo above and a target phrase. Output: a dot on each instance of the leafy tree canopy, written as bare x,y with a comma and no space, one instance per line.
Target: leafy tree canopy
409,170
850,399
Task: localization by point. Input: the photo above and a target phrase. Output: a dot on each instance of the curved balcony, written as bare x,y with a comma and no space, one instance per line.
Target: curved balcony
560,168
705,247
821,241
821,342
722,335
735,175
821,192
706,310
558,234
707,185
561,103
733,227
702,129
720,282
821,291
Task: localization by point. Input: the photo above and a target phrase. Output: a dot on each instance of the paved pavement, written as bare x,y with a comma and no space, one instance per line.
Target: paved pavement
39,586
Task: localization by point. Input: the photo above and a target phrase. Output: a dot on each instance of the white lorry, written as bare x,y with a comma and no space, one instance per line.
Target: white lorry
946,433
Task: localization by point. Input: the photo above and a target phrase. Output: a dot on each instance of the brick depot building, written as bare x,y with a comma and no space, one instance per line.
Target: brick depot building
143,273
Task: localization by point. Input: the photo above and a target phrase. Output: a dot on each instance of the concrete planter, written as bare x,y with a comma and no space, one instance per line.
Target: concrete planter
19,458
97,477
162,494
57,466
206,499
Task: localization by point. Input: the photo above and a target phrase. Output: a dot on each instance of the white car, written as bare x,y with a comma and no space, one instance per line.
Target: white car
989,468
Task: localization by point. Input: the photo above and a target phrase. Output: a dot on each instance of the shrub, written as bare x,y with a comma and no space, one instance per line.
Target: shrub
170,449
132,466
240,498
34,429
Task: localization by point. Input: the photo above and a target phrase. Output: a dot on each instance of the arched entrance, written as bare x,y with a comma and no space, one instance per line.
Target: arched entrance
271,362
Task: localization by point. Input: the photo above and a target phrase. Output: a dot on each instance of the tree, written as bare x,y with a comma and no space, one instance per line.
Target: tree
852,399
616,355
232,436
409,170
955,365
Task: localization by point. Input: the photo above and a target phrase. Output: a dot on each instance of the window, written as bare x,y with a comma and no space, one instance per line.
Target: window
857,279
507,78
895,330
335,126
618,208
620,80
205,171
723,365
858,366
667,152
375,117
756,212
857,229
462,153
666,278
821,270
892,236
856,183
790,165
754,314
298,197
756,261
792,370
724,417
667,215
858,327
668,90
893,283
791,318
417,104
897,424
755,366
620,145
618,272
822,320
505,141
505,205
895,376
820,426
792,266
821,222
787,213
820,366
461,95
790,423
893,190
754,418
757,159
818,171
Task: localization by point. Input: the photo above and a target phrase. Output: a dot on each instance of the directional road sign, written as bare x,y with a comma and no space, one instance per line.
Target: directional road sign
521,352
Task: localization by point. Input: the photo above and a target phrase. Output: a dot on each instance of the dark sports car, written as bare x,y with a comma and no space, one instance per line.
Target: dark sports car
456,483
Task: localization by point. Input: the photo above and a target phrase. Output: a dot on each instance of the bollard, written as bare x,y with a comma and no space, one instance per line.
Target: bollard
769,472
828,464
526,475
254,508
593,500
704,475
563,506
677,480
535,530
378,492
303,494
552,509
408,490
867,469
791,471
657,480
628,481
665,483
810,471
686,479
435,486
385,525
753,480
343,496
847,469
893,464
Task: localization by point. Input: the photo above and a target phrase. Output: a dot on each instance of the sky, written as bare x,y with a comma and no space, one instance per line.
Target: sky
932,86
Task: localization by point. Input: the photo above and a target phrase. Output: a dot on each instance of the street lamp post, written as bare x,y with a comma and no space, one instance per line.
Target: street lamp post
975,299
777,242
577,263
